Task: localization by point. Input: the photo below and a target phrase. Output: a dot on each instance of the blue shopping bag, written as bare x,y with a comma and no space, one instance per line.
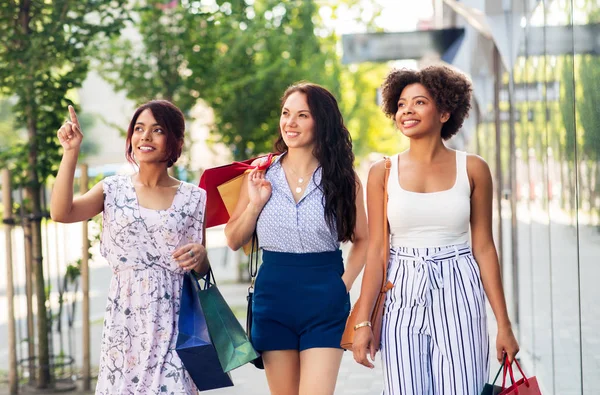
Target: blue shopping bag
194,345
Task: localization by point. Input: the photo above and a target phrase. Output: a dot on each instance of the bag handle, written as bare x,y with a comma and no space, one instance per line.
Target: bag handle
386,226
502,367
508,367
209,279
253,259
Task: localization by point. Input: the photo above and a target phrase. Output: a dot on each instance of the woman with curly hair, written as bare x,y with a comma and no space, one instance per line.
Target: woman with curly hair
307,203
434,335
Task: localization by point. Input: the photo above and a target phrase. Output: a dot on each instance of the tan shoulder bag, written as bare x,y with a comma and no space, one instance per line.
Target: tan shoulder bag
377,313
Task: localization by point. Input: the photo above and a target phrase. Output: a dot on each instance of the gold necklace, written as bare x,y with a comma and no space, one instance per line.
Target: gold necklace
300,179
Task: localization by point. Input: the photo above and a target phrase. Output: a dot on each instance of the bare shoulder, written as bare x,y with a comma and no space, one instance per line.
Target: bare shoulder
377,169
477,167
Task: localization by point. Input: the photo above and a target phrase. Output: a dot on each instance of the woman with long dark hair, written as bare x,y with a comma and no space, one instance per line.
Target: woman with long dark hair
152,233
306,203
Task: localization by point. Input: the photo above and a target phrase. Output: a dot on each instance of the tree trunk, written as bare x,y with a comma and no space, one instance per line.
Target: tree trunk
10,290
33,189
28,290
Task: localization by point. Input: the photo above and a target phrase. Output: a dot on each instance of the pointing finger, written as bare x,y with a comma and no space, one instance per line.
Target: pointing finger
73,116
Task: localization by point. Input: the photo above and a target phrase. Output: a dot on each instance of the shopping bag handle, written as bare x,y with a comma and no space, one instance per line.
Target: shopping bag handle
208,278
502,367
508,366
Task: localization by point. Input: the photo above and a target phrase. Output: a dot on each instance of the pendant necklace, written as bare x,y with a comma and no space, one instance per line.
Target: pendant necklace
300,180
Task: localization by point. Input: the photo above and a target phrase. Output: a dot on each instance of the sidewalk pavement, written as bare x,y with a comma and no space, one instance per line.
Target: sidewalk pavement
353,379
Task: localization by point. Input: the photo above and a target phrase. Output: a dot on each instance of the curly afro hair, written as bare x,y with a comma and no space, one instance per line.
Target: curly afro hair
450,89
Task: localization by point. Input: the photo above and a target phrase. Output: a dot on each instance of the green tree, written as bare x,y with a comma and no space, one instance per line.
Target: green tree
265,48
152,61
45,56
168,54
371,130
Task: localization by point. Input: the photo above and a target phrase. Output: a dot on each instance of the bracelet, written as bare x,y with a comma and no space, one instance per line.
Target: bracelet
364,323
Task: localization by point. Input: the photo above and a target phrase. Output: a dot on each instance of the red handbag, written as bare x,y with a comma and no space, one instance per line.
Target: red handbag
525,386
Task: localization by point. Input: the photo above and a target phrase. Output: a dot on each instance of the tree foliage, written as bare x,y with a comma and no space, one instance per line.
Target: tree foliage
237,56
45,56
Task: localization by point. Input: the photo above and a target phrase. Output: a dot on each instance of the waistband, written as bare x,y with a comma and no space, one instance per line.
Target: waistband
305,259
435,253
428,271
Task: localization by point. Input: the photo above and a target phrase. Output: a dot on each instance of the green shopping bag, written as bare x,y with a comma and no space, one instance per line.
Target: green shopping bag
227,335
493,389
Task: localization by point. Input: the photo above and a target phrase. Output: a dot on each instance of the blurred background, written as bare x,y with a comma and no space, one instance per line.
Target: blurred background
535,67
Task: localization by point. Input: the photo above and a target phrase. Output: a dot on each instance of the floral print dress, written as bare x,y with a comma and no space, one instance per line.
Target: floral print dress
140,323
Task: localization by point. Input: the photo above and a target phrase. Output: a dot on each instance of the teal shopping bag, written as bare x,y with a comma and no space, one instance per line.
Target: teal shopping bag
229,338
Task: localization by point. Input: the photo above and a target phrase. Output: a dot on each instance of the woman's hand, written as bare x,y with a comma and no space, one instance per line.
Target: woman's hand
259,189
69,134
506,343
190,256
363,346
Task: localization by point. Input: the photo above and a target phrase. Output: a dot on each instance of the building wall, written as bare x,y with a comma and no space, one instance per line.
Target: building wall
557,134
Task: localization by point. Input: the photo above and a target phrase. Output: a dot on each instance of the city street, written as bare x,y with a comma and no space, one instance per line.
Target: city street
353,378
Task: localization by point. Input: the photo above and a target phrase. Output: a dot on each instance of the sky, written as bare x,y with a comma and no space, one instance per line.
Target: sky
396,15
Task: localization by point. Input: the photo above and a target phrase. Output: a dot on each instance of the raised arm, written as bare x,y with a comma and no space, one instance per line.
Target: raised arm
253,198
63,208
485,252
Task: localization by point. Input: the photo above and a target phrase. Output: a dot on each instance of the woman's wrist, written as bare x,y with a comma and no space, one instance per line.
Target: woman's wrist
363,324
504,324
254,208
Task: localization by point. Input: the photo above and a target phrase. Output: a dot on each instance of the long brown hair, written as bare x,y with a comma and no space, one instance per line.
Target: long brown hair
333,150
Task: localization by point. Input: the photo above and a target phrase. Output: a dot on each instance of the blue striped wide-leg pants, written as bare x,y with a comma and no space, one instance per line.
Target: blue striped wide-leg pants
435,338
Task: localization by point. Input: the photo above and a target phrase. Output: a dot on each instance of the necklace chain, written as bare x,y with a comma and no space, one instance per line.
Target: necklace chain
300,181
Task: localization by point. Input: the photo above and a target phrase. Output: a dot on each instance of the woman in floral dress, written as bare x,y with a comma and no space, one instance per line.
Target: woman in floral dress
153,232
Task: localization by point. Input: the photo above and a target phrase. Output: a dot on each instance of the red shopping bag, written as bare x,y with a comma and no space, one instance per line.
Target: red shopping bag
525,386
223,185
218,207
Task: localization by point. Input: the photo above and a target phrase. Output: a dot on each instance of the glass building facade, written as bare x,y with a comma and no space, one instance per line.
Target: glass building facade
550,178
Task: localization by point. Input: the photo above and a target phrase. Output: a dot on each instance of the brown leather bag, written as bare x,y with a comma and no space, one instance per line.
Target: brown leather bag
377,313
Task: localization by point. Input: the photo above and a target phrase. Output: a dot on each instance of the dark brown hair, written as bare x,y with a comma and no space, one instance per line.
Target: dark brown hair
333,150
450,89
170,118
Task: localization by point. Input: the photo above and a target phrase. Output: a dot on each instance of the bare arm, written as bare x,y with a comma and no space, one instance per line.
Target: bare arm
358,251
485,253
63,208
254,194
373,275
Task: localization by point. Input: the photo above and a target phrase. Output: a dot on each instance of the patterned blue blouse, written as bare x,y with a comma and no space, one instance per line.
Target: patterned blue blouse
287,226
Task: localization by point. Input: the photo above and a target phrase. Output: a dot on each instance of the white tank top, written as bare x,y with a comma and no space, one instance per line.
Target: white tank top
433,219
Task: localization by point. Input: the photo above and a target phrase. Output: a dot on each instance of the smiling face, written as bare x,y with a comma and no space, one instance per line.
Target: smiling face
417,114
149,139
296,122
